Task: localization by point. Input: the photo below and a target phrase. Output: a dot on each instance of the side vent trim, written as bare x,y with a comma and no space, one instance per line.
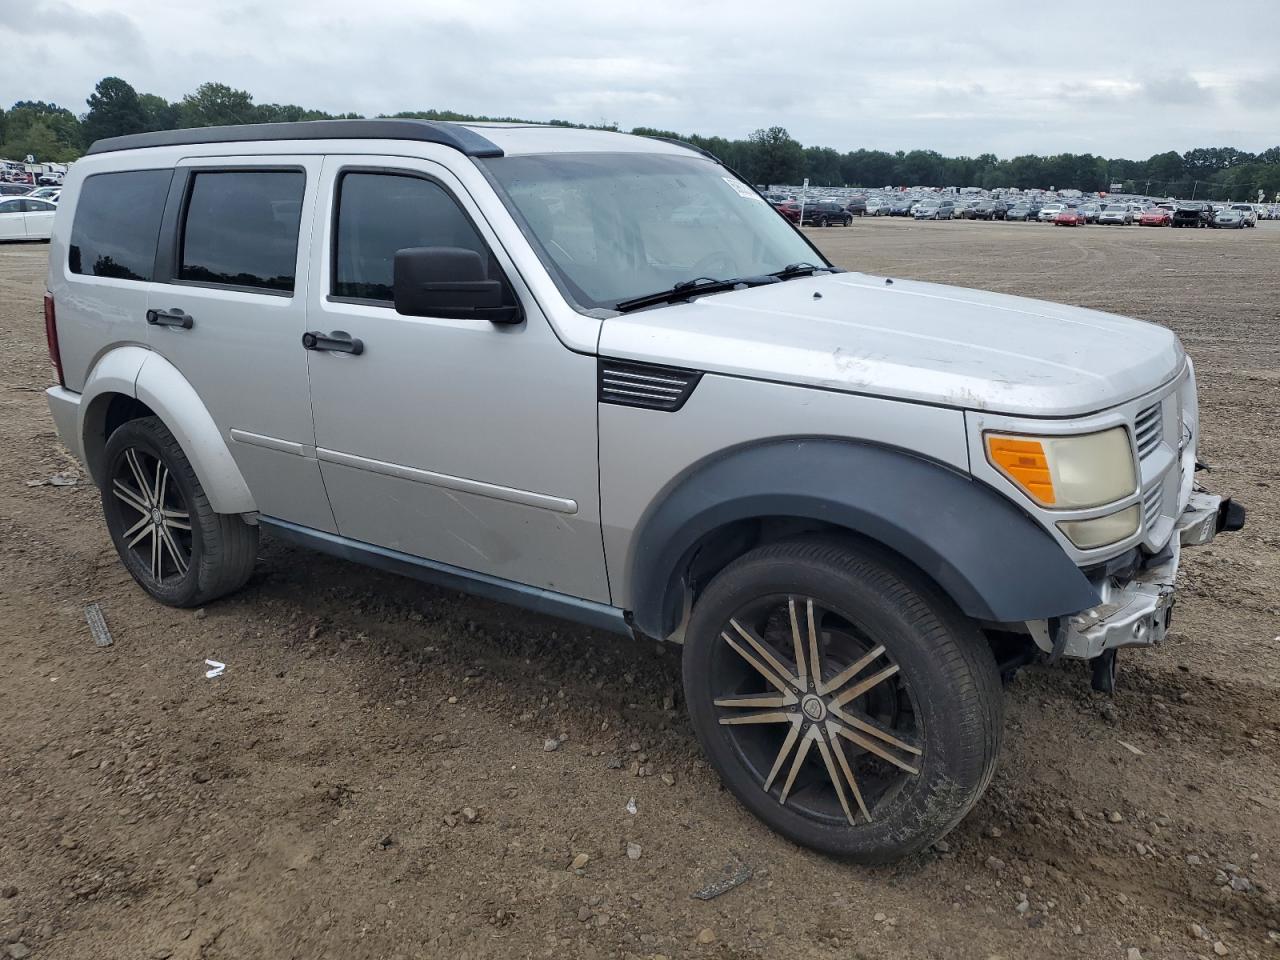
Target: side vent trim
648,385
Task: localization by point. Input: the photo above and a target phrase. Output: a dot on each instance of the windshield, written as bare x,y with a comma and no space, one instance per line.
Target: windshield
613,226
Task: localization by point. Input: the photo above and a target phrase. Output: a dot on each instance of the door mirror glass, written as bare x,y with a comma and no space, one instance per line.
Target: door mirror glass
449,282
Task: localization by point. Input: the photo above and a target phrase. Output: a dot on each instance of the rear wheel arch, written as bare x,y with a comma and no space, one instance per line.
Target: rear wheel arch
103,415
131,382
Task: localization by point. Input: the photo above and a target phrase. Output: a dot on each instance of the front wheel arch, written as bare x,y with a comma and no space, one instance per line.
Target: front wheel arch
940,520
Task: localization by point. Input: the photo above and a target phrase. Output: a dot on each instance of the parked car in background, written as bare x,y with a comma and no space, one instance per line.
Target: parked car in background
877,207
1229,218
789,209
1192,213
1115,213
826,213
1070,217
14,189
901,206
1020,211
857,206
22,218
1156,217
988,210
932,209
1091,212
45,193
1247,213
1049,211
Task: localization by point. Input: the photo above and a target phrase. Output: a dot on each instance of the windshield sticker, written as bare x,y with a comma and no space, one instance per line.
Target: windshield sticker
741,189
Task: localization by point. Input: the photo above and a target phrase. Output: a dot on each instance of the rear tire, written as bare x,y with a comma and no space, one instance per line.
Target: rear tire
914,674
167,535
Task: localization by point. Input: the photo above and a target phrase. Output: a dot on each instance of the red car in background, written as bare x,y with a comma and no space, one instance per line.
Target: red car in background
1156,217
1070,218
789,209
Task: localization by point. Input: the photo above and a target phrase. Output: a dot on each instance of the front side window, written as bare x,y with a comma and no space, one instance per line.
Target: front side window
612,226
380,213
241,228
11,206
117,224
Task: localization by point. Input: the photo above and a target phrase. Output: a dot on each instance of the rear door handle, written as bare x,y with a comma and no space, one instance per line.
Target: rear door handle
170,318
339,341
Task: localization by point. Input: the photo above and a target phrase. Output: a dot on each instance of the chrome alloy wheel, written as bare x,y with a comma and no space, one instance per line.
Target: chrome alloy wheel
805,690
159,535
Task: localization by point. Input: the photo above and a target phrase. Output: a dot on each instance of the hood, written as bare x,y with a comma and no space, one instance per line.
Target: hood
905,339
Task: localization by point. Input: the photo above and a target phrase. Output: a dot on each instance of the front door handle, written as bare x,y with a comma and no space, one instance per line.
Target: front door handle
170,318
338,342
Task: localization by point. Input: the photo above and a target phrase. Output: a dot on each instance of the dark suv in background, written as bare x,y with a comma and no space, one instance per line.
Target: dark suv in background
1192,213
825,213
988,210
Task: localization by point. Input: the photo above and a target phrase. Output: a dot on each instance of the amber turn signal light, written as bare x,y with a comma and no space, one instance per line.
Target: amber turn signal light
1024,462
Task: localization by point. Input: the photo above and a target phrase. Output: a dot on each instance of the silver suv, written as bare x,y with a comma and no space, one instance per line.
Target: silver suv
600,377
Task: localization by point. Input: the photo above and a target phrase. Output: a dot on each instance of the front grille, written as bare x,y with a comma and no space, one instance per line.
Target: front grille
1147,429
646,385
1152,501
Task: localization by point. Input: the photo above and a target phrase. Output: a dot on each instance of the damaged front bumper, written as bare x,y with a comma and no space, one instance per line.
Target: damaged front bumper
1137,608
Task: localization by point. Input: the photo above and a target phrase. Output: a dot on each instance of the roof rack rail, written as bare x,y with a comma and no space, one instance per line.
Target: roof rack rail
688,146
454,135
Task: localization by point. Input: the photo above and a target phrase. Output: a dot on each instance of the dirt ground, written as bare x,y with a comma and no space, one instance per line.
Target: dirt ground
369,777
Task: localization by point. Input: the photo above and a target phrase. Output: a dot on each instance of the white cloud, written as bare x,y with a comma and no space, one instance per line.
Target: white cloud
1000,76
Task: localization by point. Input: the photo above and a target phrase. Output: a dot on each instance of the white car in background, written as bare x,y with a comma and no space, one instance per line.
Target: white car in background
1249,212
1051,210
22,218
45,193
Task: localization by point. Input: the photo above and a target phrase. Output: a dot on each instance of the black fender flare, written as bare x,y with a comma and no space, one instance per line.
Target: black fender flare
987,554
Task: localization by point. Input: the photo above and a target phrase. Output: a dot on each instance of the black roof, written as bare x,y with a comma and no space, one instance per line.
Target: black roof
452,135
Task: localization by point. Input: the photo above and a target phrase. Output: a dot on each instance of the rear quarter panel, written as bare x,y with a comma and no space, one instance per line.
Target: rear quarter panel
95,314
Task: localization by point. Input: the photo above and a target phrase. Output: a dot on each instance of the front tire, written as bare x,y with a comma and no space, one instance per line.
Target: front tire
167,535
842,698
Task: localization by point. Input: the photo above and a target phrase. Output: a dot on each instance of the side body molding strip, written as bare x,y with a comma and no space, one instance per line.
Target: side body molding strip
511,494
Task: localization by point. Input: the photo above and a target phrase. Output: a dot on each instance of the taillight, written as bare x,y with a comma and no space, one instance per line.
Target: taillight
51,335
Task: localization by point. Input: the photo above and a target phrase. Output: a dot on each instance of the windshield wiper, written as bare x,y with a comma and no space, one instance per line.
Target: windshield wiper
700,285
693,288
801,269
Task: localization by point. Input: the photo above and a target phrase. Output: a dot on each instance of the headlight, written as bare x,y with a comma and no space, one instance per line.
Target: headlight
1073,472
1100,531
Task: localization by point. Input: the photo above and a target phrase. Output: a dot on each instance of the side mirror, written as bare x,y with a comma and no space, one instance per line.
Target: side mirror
450,282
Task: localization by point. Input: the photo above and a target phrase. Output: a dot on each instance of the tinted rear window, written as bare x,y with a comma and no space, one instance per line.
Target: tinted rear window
117,223
241,228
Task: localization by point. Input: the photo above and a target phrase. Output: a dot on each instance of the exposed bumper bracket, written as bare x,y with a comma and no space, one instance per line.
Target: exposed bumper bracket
1137,612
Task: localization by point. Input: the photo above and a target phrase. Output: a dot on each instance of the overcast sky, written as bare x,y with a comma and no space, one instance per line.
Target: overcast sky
1006,76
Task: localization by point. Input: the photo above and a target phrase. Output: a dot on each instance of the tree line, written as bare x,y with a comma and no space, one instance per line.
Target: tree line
769,156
